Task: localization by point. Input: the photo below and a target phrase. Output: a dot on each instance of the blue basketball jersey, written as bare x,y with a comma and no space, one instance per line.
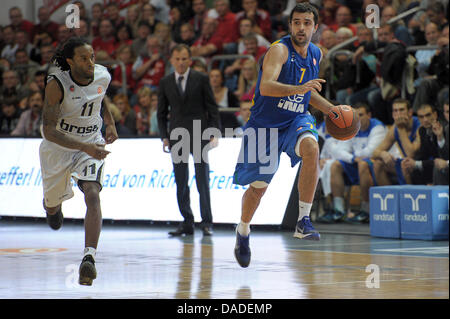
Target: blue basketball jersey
412,135
279,112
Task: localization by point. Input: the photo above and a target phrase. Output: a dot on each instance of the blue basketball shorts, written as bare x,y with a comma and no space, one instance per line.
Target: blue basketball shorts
351,174
261,149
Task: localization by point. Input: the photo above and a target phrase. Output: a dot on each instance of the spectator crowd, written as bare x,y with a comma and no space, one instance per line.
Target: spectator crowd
399,91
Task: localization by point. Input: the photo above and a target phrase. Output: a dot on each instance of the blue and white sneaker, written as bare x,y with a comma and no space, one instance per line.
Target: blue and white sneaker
242,250
305,230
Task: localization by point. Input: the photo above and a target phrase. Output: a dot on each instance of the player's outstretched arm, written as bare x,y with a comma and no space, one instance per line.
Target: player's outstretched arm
273,62
50,115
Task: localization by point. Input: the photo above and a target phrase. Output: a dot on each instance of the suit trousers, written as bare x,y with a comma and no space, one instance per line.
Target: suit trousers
181,172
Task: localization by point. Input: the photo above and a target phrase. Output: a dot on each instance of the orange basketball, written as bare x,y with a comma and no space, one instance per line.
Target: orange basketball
342,122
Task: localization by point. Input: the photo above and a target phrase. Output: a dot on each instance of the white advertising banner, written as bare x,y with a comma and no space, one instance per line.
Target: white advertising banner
139,184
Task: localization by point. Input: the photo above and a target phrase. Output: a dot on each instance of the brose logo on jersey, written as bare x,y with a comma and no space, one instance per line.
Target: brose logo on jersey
70,128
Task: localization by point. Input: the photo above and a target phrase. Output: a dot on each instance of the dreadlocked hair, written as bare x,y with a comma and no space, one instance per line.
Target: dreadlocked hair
67,51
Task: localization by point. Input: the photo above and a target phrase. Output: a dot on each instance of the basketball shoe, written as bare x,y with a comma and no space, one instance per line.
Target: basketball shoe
305,230
87,271
242,250
55,221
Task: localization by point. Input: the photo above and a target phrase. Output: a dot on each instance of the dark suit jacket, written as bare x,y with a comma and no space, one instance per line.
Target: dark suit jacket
197,103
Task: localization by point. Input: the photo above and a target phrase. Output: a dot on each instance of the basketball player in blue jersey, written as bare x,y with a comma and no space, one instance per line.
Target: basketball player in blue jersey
384,168
287,84
73,145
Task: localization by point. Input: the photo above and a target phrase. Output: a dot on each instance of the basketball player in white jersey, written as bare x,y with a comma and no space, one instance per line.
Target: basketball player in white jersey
73,145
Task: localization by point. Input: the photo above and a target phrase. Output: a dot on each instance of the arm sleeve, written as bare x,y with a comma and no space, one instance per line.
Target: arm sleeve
376,136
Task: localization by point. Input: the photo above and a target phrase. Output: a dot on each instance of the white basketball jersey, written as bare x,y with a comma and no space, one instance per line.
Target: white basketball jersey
81,104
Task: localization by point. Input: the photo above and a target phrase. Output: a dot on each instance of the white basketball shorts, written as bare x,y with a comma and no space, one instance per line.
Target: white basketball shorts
58,165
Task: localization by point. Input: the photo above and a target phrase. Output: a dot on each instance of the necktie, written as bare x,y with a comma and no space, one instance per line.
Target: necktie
180,86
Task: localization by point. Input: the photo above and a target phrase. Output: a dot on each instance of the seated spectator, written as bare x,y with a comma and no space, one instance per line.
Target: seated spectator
106,40
9,115
30,120
64,34
143,111
10,46
434,13
128,115
175,22
432,89
38,83
223,96
11,87
343,34
440,173
23,42
139,45
96,16
243,116
132,19
226,24
344,169
251,48
124,35
224,99
199,66
41,40
343,19
46,51
245,28
45,24
162,32
425,148
148,16
424,57
19,23
126,56
401,32
391,70
25,67
83,31
384,168
350,89
260,17
149,69
200,13
187,34
154,129
209,43
113,14
328,11
247,81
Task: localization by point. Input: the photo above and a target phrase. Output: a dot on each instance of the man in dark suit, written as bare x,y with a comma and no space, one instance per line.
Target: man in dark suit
186,107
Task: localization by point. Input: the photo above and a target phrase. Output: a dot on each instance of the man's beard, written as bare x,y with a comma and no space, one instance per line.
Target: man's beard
297,42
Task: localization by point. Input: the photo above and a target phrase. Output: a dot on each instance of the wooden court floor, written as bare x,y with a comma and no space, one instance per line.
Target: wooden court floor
141,261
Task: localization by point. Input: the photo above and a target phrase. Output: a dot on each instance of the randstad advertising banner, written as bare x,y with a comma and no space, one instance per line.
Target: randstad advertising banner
139,184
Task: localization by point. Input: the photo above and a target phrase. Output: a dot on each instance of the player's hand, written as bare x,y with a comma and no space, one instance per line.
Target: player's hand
438,130
97,151
408,164
312,85
166,145
401,122
214,142
111,134
440,163
387,158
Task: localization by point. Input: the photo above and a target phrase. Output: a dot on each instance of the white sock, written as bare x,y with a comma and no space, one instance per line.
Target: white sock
304,209
339,204
90,251
243,228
